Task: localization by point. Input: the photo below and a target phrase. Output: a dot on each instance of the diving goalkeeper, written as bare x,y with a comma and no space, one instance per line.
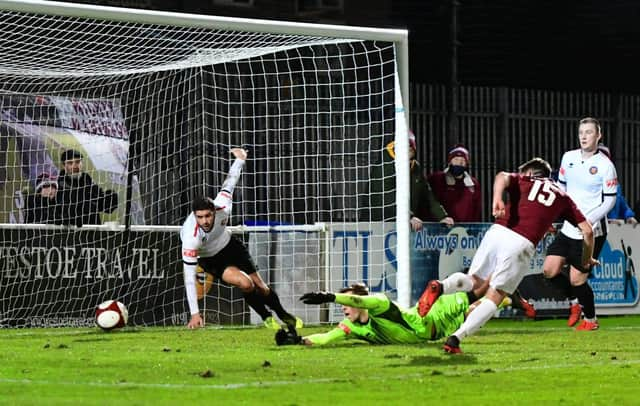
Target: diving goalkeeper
378,320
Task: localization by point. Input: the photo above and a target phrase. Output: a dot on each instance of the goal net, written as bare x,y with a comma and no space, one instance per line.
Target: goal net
149,104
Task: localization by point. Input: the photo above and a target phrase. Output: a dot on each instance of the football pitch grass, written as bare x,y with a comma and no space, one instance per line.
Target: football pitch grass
507,362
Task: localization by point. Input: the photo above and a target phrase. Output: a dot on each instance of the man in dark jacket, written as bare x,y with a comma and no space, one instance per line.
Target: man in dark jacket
81,200
423,203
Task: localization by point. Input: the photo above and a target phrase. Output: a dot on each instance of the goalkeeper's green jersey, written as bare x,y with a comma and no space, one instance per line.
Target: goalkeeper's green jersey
391,324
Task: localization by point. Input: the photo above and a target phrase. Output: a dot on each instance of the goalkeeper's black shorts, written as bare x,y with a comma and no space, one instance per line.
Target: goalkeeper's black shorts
235,253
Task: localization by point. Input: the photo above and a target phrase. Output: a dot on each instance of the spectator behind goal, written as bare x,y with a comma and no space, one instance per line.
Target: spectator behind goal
456,189
41,207
80,198
423,203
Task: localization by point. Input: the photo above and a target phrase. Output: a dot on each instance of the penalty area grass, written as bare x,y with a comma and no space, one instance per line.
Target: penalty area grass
508,361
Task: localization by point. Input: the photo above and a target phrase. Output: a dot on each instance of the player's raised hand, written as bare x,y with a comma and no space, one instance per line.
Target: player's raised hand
591,263
240,153
448,221
416,223
318,297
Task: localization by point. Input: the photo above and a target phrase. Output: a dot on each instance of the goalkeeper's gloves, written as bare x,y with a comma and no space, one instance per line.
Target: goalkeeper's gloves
284,337
318,297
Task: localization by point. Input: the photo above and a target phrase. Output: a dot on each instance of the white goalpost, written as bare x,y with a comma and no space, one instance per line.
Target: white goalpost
151,102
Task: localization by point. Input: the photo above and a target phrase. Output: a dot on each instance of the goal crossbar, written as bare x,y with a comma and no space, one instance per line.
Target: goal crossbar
398,36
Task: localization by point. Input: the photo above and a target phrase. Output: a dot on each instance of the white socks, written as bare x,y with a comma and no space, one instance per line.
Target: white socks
457,282
476,319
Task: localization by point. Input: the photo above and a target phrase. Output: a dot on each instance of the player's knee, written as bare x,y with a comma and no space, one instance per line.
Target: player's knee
246,285
578,278
496,295
262,289
552,266
550,271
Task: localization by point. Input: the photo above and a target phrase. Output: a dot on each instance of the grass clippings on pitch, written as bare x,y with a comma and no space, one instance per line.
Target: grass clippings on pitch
523,362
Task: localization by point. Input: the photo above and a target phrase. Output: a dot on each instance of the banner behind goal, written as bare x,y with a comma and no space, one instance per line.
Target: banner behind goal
151,103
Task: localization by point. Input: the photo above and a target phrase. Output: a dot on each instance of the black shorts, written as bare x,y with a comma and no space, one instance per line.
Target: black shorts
235,253
571,250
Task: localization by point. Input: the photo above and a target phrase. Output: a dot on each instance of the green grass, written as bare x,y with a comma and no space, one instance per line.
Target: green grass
508,362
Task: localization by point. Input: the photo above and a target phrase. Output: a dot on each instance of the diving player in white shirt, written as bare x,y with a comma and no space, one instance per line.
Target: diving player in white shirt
207,242
589,178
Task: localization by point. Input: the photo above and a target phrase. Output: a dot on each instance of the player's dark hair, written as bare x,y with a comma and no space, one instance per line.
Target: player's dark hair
538,166
203,203
359,289
591,120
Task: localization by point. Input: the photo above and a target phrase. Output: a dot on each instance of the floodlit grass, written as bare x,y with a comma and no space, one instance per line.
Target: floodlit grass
508,362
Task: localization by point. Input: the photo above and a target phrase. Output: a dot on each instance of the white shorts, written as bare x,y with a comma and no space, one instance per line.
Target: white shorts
503,256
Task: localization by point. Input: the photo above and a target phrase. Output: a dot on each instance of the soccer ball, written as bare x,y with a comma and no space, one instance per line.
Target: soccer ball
111,314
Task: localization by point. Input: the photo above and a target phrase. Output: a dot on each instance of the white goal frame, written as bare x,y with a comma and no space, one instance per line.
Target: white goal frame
399,37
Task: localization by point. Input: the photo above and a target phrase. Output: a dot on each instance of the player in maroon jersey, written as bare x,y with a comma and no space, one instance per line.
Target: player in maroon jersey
534,202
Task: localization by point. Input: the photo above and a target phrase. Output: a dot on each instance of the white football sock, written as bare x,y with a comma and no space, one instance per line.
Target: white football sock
476,319
457,282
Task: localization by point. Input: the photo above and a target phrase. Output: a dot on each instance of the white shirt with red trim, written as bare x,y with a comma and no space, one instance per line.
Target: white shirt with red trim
588,181
198,243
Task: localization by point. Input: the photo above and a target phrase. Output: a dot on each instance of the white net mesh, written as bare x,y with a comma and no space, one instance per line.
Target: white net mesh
151,111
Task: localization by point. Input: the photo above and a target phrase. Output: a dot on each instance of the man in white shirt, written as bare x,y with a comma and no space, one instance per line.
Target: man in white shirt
207,242
590,179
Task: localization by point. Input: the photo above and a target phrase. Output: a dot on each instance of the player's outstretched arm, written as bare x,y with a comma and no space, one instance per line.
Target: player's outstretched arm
318,298
375,303
284,337
224,197
330,337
